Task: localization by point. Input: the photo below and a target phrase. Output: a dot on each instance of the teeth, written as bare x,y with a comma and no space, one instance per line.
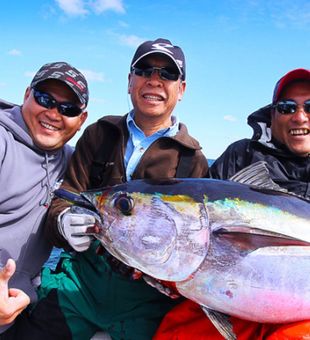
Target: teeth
152,97
48,126
297,132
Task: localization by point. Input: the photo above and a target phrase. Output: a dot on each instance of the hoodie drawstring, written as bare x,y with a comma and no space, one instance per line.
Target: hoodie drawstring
49,190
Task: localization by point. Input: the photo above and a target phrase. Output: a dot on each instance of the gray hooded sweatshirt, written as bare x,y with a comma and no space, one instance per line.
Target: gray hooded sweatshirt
28,176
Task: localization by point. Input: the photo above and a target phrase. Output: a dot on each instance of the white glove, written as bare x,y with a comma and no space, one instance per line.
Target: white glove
73,224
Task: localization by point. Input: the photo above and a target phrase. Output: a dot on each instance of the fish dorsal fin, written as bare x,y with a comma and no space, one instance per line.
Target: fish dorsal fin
257,175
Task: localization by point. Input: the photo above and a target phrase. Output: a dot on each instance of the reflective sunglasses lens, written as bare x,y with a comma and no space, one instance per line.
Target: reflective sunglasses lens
143,72
169,75
69,110
47,101
307,106
147,72
138,72
44,99
286,107
164,73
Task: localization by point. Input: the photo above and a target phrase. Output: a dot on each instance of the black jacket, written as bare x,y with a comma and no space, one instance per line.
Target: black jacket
286,169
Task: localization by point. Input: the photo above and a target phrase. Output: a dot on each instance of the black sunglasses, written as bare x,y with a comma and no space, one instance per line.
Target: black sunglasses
164,72
287,107
46,100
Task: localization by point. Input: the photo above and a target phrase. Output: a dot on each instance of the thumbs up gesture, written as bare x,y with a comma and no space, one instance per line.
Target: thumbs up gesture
12,301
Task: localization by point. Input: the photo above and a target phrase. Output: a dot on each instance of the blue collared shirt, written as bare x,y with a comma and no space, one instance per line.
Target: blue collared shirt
138,143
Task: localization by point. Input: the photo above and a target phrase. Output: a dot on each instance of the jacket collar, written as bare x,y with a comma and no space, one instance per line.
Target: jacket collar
182,137
260,122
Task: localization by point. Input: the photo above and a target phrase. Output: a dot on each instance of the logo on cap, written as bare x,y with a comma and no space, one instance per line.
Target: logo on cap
163,47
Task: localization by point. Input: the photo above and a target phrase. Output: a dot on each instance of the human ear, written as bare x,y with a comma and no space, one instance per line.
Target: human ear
181,91
129,83
27,93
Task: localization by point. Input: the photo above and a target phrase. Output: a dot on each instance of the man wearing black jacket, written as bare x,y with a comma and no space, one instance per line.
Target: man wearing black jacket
281,137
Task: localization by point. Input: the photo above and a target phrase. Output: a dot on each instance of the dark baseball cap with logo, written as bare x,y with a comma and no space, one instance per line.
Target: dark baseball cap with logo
160,46
67,74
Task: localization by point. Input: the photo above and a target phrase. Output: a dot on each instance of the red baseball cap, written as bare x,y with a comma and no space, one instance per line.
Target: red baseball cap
297,74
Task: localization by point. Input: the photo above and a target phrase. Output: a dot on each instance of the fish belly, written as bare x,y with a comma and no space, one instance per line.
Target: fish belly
269,285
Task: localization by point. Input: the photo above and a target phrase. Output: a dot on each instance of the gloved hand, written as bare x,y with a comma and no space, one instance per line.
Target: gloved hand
73,223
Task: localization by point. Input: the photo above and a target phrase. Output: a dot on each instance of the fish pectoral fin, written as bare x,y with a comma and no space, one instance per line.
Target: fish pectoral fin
221,322
247,238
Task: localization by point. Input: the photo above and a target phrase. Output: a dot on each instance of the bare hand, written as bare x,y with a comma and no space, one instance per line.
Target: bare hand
12,301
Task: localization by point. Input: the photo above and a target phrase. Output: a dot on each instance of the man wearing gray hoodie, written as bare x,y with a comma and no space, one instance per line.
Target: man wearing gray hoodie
33,158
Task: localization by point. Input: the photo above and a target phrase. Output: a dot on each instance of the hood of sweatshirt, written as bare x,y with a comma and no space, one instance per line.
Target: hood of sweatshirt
28,176
260,122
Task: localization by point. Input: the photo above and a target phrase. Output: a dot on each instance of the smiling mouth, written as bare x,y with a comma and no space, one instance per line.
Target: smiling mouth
299,132
153,98
48,126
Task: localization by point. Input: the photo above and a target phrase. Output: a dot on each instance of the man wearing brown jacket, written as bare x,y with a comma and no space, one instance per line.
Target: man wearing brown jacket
89,292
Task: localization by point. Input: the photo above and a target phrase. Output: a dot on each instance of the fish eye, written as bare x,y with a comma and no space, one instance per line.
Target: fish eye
124,203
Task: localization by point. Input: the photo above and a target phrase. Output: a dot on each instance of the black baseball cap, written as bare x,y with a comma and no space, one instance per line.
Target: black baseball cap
161,46
66,73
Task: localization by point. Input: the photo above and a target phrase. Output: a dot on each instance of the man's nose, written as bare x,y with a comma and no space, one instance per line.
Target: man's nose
301,114
53,113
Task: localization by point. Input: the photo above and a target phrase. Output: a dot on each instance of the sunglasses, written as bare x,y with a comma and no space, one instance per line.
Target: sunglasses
46,100
164,72
287,107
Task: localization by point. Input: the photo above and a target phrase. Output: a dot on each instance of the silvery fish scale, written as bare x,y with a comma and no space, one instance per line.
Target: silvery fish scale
228,246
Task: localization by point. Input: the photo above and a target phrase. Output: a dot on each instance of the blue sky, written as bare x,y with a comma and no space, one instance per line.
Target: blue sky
235,52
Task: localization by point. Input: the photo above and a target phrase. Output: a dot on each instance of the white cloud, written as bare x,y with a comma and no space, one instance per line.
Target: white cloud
29,74
297,16
284,13
123,24
230,118
100,6
130,40
72,7
15,52
83,7
93,76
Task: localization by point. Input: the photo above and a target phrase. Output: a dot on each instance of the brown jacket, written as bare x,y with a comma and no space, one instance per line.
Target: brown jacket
98,161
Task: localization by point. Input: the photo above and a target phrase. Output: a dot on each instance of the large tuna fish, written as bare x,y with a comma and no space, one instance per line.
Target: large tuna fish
240,249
